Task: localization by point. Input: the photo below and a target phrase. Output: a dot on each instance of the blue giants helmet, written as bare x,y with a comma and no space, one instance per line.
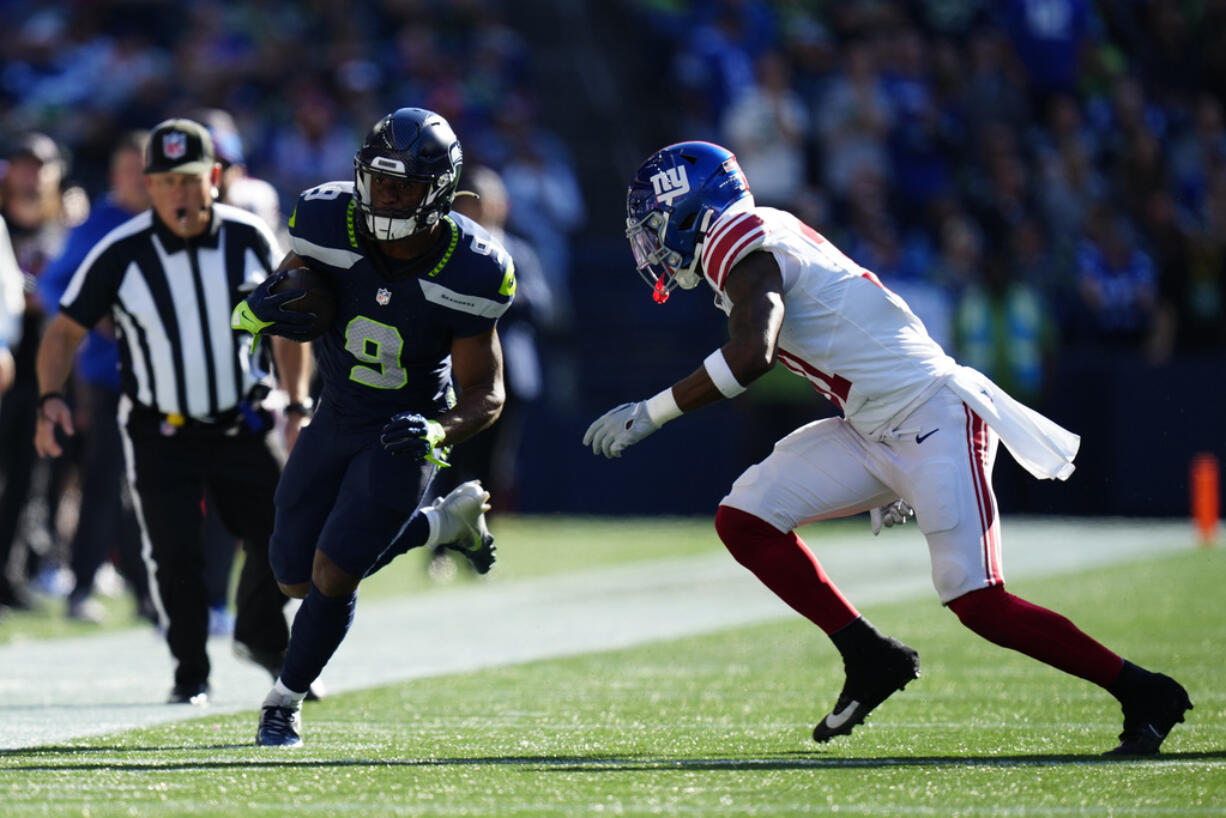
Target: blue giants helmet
411,145
673,198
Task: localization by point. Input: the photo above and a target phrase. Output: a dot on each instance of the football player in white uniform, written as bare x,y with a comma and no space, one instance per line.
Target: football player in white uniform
918,432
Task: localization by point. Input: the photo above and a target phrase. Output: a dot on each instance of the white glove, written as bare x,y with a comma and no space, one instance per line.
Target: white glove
618,428
890,515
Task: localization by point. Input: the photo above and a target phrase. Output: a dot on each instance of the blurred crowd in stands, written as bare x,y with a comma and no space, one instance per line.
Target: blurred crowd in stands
1026,172
288,89
1033,176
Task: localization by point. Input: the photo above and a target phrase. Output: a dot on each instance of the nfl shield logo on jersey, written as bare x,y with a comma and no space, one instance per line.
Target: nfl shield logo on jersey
383,296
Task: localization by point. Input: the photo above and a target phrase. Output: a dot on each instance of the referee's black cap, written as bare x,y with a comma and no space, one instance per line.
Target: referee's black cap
180,146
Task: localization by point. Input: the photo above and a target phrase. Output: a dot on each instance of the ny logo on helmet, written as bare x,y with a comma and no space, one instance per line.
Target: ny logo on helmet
670,183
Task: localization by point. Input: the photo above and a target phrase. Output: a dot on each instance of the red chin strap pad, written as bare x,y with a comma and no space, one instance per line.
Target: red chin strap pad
658,293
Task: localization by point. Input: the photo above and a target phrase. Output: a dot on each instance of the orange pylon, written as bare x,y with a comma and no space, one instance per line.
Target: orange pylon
1205,493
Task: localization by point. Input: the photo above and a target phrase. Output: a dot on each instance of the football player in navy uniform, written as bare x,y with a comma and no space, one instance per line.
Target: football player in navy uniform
418,291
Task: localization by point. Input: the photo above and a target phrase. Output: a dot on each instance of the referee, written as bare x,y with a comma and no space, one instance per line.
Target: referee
191,411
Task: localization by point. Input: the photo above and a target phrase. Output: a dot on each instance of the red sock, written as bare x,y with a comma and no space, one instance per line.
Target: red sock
1012,622
783,564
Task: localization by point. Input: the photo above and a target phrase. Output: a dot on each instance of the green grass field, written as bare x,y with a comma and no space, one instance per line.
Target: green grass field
716,725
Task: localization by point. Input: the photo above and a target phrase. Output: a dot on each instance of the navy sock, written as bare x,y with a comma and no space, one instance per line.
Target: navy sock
319,627
415,533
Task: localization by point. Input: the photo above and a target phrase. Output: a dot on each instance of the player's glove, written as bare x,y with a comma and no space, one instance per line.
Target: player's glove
619,428
890,515
263,311
408,433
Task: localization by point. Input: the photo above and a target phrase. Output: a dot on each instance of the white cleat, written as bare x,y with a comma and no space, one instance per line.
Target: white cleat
460,524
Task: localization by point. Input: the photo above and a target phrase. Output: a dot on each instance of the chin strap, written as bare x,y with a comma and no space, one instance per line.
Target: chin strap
660,290
700,236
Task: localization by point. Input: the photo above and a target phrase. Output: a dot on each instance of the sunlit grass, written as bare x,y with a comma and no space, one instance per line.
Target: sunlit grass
709,726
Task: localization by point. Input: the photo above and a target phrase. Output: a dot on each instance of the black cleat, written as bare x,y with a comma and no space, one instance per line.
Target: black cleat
194,693
870,681
279,727
1153,703
482,557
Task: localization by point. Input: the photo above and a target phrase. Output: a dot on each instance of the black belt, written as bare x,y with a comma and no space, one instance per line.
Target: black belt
229,422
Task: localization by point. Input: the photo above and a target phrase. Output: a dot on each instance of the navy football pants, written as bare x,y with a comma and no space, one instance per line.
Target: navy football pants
343,493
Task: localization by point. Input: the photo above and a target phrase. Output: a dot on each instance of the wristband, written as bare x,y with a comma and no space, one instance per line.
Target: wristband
662,407
434,432
434,436
721,375
304,407
42,401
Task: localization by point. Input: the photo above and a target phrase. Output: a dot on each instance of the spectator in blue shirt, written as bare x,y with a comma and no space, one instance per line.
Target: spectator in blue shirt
1050,37
1116,281
106,515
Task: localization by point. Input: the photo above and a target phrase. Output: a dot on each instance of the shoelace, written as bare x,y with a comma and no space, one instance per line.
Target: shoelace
280,719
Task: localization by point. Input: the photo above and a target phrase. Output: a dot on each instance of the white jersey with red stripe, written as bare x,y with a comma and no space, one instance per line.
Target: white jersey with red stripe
857,342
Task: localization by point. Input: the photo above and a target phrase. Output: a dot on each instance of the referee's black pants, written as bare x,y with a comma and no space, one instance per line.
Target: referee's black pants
171,469
105,521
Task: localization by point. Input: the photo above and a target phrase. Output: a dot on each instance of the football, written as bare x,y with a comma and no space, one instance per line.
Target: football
318,298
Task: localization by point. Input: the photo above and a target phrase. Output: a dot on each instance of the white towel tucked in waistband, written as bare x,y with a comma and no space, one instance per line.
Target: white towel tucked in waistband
1042,447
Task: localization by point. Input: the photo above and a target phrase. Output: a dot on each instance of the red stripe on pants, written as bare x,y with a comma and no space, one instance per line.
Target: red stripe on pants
977,449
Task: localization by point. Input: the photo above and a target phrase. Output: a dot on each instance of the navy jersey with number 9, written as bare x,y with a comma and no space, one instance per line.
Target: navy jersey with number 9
389,348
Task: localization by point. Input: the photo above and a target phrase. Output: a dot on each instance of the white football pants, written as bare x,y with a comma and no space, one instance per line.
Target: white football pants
939,459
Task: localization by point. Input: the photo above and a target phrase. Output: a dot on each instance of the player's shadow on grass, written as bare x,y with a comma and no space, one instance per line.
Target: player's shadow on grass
276,759
805,760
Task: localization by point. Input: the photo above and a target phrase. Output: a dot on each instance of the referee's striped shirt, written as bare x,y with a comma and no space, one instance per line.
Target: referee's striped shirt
171,300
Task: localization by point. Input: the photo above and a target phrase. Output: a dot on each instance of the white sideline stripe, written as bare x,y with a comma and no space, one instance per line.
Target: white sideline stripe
55,690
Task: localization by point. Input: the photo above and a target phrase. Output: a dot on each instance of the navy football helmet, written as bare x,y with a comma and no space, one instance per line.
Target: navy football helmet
674,197
413,145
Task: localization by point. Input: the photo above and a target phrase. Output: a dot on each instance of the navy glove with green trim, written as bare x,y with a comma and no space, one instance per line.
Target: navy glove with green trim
263,311
409,433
